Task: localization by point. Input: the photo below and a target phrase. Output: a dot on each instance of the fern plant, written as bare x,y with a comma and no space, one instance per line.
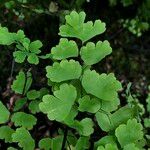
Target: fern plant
84,102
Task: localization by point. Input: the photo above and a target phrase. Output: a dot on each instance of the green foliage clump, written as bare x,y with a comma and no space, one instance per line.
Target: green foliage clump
135,26
82,101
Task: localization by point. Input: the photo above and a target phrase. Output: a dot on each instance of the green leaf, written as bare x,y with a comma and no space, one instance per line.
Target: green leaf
20,35
104,121
43,91
20,103
93,53
55,106
4,113
84,127
75,27
63,71
6,38
22,83
45,144
35,46
33,59
141,143
24,139
21,48
6,133
27,49
18,84
129,133
33,94
122,115
34,106
65,49
26,42
110,106
69,120
24,120
19,56
57,143
108,121
130,147
51,144
82,143
47,56
77,84
105,140
102,86
71,139
108,147
89,105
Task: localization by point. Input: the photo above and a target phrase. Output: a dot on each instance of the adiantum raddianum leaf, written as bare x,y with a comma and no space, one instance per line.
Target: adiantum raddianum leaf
69,120
22,50
22,83
108,121
63,71
102,86
58,107
33,94
108,147
20,103
93,53
34,106
56,143
92,105
4,113
45,143
75,27
110,106
131,146
29,50
24,139
6,38
25,120
6,133
20,35
84,127
51,143
36,97
129,133
105,140
89,105
65,49
34,48
82,143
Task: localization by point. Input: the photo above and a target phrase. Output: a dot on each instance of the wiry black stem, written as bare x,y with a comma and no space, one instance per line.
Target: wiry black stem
68,145
64,139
